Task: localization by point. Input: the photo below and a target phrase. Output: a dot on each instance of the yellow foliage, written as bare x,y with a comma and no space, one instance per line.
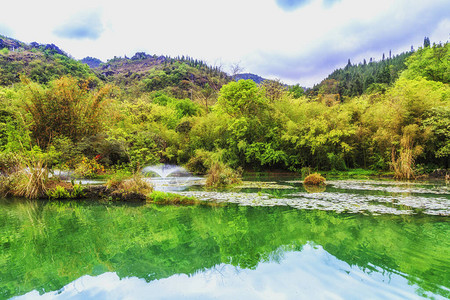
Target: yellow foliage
314,179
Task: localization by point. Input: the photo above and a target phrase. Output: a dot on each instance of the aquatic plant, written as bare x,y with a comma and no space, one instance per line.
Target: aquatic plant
314,179
58,192
169,198
77,191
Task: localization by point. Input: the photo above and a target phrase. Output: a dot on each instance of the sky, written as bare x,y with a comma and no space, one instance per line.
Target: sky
296,41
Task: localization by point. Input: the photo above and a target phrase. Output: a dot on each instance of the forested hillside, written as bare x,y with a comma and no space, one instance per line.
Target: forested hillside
354,80
131,112
182,77
40,63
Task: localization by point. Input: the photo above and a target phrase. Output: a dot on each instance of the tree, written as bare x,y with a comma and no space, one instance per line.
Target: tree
384,75
349,64
241,98
65,109
426,42
273,89
431,63
235,70
296,91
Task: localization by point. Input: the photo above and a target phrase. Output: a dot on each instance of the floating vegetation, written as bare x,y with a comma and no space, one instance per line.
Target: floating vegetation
263,185
349,201
392,186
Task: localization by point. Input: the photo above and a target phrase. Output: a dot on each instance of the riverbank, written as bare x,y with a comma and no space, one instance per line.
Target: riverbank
439,174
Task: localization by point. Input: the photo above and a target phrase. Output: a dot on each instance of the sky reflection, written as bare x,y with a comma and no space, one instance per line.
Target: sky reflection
312,273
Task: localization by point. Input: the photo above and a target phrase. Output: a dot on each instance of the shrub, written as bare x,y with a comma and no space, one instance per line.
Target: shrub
8,184
314,179
305,171
89,168
336,162
200,162
9,163
221,175
125,185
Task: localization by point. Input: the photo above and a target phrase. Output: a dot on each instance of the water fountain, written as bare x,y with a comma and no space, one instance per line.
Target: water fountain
169,177
164,171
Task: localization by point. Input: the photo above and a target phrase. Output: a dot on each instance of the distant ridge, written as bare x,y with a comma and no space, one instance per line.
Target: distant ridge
92,62
256,78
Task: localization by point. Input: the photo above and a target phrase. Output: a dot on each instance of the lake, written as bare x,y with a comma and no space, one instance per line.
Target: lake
352,240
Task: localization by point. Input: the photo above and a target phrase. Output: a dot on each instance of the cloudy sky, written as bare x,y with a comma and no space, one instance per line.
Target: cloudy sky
297,41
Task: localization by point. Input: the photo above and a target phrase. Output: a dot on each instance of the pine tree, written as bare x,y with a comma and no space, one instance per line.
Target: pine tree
349,64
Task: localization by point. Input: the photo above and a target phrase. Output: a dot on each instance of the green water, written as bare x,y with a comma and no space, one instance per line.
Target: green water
91,250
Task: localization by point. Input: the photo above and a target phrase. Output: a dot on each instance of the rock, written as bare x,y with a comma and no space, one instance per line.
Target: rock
140,56
54,49
35,45
10,44
108,73
101,191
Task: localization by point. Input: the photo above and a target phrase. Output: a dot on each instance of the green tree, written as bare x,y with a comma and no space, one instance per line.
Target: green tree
241,98
66,108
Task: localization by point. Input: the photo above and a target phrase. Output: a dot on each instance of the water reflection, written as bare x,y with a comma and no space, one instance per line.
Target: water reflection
203,252
172,184
310,274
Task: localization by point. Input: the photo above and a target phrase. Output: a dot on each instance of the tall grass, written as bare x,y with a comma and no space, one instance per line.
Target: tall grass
31,180
403,165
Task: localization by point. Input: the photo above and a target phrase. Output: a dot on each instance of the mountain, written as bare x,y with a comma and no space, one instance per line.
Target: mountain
256,78
92,62
39,62
180,77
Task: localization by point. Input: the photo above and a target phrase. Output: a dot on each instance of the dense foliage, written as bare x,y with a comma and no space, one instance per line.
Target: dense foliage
354,80
151,109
